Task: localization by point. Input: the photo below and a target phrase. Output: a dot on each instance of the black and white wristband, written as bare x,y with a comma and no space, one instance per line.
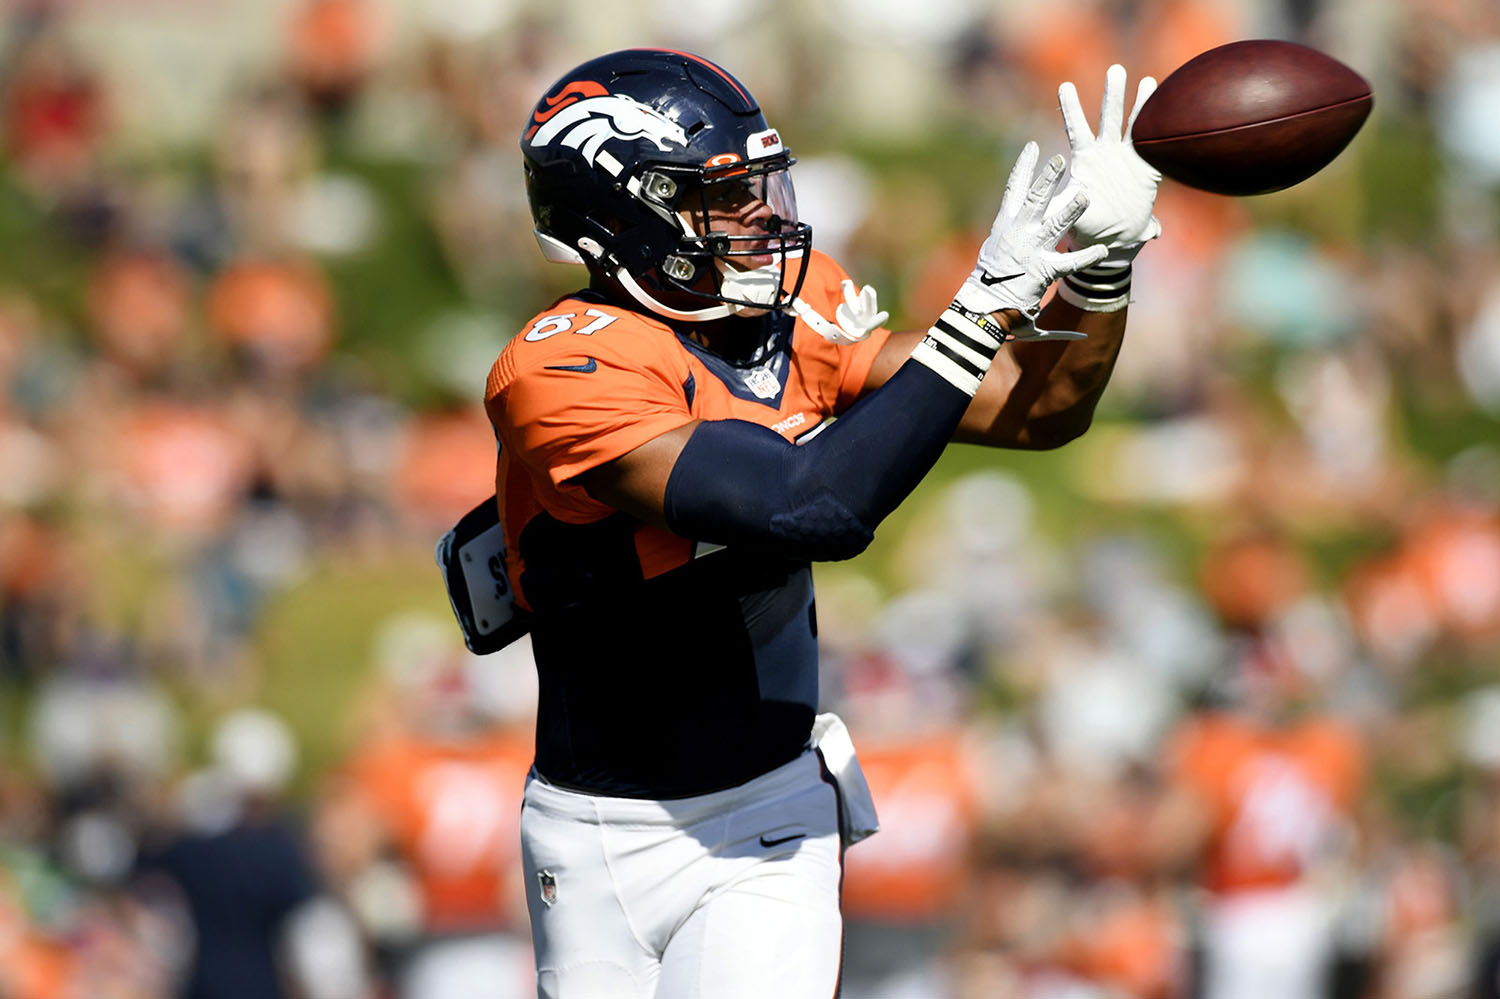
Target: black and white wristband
1097,289
960,347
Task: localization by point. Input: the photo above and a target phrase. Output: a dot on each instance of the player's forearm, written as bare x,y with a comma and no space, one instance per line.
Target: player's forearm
1046,395
1042,395
737,483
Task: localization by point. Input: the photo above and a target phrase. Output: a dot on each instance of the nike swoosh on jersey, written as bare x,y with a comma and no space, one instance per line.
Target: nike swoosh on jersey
986,279
592,365
784,839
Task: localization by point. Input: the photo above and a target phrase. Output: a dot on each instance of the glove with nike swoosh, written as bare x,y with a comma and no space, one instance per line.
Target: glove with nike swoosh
1019,260
1121,188
1017,264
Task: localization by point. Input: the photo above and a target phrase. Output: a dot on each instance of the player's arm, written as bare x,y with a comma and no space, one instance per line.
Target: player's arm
1035,395
735,482
1043,394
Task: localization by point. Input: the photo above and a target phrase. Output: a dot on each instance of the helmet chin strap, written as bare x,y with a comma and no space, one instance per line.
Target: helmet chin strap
717,310
761,286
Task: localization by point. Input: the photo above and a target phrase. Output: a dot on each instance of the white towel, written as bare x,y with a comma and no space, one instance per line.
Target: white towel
831,737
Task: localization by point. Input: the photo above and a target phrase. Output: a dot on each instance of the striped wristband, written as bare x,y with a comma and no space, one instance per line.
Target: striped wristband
1097,289
960,347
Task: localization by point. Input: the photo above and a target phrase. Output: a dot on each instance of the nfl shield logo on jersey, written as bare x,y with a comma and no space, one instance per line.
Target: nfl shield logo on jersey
763,382
548,881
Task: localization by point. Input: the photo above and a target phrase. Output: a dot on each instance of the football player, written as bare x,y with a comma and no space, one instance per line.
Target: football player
1265,785
668,470
419,827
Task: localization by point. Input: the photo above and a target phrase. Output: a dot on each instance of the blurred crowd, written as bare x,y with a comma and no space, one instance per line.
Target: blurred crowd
1206,704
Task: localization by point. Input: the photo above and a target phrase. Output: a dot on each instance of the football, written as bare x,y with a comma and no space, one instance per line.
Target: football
1252,117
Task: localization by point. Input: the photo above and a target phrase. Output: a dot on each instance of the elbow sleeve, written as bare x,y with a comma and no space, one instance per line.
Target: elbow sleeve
740,483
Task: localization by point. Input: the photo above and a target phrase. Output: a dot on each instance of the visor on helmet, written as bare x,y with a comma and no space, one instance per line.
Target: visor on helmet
742,243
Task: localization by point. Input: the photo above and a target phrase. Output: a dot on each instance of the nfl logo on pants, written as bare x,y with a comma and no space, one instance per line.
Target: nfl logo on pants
548,881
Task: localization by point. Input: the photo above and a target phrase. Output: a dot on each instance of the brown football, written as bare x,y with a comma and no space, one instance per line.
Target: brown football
1252,117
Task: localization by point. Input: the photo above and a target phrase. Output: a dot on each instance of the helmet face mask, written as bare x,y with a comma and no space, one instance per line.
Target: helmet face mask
737,221
658,170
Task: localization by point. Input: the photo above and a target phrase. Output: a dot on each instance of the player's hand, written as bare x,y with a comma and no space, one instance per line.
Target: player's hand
1121,186
859,315
856,317
1020,260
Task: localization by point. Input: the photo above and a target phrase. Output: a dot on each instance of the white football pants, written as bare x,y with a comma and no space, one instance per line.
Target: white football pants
482,966
1276,942
724,895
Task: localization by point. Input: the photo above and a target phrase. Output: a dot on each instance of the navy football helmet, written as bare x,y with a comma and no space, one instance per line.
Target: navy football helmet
658,169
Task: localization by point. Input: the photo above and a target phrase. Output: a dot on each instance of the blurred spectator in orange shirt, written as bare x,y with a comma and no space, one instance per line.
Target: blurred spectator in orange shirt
179,467
1266,788
139,305
333,47
1440,584
904,890
278,315
1128,940
421,825
442,468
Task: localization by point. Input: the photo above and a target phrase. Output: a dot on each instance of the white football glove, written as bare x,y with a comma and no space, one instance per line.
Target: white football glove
856,317
1017,264
859,315
1020,260
1121,188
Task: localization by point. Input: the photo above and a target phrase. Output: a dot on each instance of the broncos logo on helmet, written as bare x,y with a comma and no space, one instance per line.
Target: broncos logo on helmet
586,123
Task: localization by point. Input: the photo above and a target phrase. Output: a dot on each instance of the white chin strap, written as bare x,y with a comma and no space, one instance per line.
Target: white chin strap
761,285
718,310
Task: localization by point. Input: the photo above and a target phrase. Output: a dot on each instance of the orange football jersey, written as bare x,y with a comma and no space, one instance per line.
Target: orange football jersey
587,382
1128,940
452,810
1278,796
34,967
917,867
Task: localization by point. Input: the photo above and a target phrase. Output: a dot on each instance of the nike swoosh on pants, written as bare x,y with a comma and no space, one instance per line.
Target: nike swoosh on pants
784,839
